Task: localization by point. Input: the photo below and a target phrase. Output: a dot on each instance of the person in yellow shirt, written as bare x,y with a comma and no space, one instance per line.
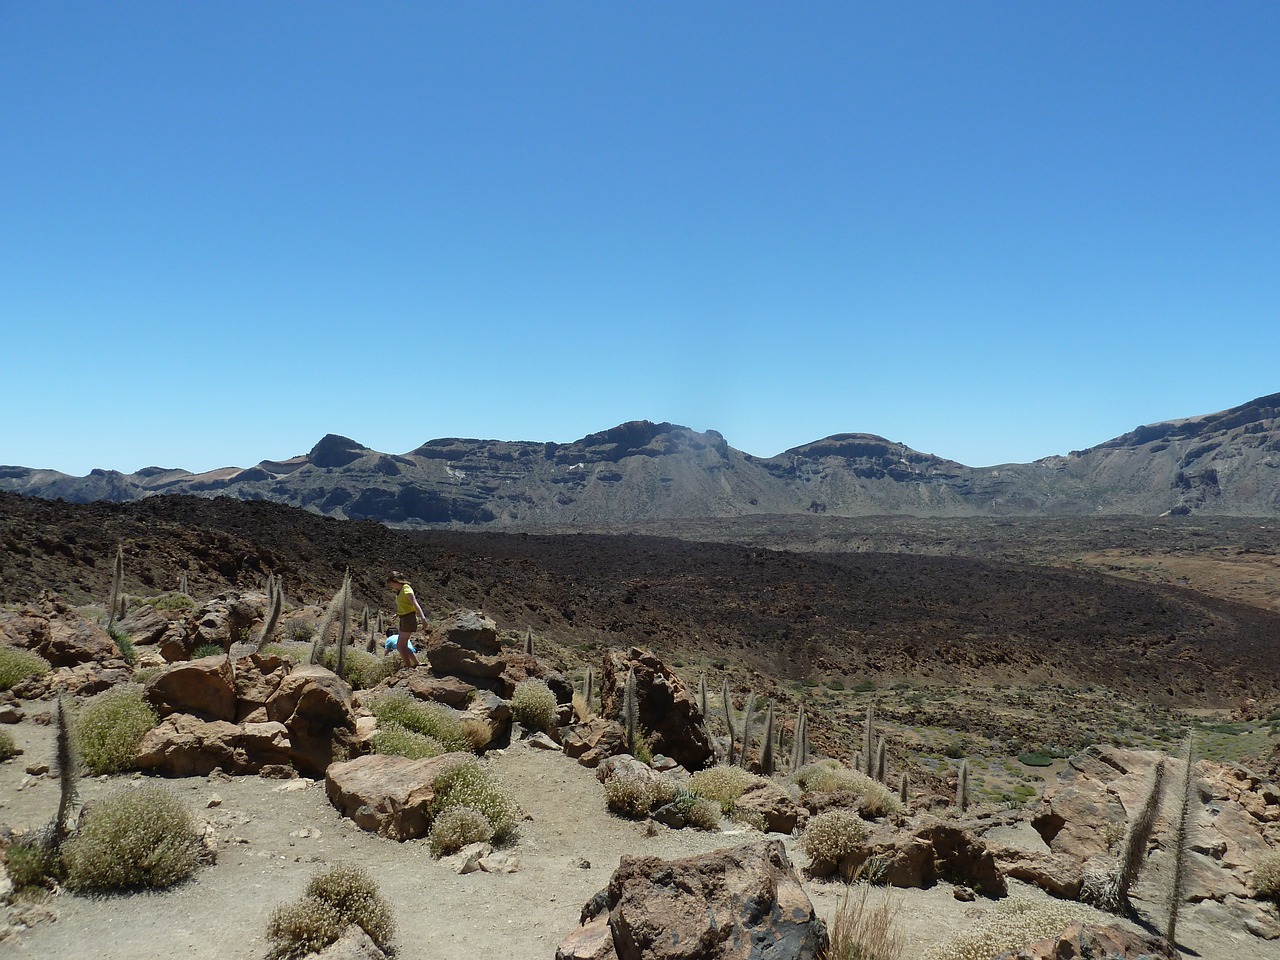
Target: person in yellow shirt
409,612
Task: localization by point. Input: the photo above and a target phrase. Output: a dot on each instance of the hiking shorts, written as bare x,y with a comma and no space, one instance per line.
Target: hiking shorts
408,623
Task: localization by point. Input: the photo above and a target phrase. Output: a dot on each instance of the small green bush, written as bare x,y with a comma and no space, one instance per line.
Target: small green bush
637,797
723,784
334,900
468,784
362,670
124,643
1266,877
431,719
8,746
172,601
874,799
830,837
534,705
110,726
31,862
1035,759
137,838
17,665
455,828
703,814
394,740
208,650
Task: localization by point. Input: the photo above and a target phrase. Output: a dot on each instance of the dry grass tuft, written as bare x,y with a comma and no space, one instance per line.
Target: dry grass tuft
862,931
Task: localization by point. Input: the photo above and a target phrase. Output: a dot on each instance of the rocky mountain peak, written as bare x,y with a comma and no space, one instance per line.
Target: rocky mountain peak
334,451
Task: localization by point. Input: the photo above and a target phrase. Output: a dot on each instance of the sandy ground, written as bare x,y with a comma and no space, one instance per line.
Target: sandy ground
272,836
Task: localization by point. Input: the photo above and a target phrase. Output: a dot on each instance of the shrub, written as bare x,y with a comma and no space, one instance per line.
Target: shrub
874,799
136,838
1035,759
17,665
1008,926
394,740
723,784
110,727
362,670
860,931
124,643
8,746
172,601
431,719
830,837
534,705
456,828
207,650
468,784
1266,877
334,900
31,861
636,797
703,814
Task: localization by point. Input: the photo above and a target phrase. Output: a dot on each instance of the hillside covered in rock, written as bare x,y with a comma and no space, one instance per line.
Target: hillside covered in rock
1225,463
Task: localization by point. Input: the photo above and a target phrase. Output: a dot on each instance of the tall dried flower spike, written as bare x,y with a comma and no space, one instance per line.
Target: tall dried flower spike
748,715
881,760
117,585
1181,842
728,715
962,786
65,763
345,625
702,697
630,710
528,640
273,617
869,743
767,761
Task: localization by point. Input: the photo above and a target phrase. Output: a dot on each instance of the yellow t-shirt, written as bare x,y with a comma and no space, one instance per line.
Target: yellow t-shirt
404,601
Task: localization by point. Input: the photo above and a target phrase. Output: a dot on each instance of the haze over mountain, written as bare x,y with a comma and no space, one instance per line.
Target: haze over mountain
1221,463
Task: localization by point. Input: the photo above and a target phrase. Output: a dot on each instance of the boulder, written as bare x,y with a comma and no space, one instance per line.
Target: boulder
257,678
144,624
779,812
470,630
354,944
204,688
1113,942
594,741
931,849
491,714
388,795
421,685
184,746
740,903
53,629
315,705
665,708
225,620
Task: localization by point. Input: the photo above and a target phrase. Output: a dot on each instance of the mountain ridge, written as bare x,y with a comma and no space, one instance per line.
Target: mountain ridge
1226,462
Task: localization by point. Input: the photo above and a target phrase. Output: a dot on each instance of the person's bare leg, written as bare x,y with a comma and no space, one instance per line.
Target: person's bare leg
402,647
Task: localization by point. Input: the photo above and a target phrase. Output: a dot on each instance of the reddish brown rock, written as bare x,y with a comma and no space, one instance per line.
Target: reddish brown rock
257,678
204,688
733,904
775,806
593,742
53,629
931,849
183,746
387,795
1083,941
315,705
666,709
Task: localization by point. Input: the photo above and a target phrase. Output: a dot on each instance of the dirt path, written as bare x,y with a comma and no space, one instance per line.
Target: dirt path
272,836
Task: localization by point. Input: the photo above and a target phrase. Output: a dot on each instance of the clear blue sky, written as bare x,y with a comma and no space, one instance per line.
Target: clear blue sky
991,231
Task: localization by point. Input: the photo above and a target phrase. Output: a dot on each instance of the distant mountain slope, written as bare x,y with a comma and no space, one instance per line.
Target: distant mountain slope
1222,463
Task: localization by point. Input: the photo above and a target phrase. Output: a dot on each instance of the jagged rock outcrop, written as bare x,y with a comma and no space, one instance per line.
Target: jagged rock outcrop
666,710
387,795
738,904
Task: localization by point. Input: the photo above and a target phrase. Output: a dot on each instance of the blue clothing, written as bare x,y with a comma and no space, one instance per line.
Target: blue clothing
395,639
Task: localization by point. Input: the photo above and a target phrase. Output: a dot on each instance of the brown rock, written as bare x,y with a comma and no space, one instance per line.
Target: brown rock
774,804
315,705
932,850
593,742
204,688
53,629
1080,940
591,941
741,903
144,624
257,678
184,746
387,795
666,709
470,630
